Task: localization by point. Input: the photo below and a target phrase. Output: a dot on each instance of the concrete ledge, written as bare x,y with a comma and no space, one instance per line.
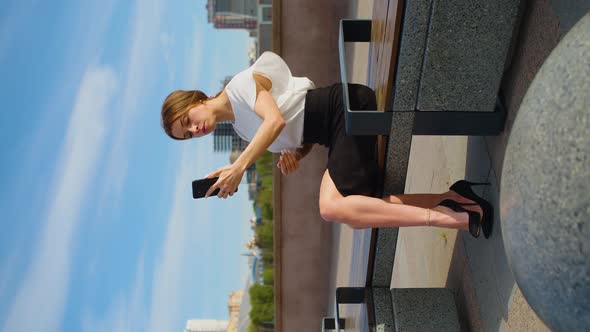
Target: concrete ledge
411,52
383,306
424,309
466,49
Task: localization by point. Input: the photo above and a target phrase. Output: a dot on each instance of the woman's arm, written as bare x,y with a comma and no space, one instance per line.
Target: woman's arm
289,161
272,125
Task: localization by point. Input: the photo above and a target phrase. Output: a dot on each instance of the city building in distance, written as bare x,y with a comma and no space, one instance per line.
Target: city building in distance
206,325
233,14
213,325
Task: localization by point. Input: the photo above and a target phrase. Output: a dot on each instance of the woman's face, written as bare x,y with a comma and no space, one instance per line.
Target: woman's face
197,122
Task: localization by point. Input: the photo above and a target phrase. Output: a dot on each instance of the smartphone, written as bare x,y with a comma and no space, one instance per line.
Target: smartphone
201,186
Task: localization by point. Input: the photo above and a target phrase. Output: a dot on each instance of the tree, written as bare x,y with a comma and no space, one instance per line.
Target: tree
264,235
268,277
262,302
260,294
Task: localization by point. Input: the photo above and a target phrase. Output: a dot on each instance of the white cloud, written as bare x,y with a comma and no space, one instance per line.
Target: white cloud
6,271
167,44
81,50
170,270
171,276
138,79
125,314
194,59
40,300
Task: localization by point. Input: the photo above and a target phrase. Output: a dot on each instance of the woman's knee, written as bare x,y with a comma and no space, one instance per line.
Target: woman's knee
334,210
329,210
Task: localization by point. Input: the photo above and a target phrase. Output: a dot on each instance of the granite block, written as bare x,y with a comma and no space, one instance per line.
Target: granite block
424,309
466,48
384,321
398,152
545,206
411,53
398,155
384,256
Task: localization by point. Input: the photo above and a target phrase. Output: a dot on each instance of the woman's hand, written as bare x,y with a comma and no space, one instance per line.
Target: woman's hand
288,162
229,178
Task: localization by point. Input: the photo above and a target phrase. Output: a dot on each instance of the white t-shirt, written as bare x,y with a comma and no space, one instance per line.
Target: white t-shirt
288,92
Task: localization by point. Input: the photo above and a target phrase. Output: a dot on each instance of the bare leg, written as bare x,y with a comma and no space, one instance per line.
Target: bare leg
426,201
420,200
363,211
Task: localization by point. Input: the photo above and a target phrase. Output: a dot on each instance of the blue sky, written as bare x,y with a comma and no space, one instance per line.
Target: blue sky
99,230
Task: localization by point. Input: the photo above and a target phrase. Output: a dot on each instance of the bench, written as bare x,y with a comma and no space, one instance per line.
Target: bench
415,102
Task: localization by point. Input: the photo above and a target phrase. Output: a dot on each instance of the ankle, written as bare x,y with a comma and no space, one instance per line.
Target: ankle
444,217
438,214
451,195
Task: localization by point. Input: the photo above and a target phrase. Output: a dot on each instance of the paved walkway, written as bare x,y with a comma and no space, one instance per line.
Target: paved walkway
486,294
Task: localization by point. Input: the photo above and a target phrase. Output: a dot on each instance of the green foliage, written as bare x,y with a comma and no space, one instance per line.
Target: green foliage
266,327
262,313
262,296
264,235
264,196
267,258
268,276
264,232
267,211
262,304
264,241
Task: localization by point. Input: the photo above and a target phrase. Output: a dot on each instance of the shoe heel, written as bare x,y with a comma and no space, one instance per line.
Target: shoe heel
463,186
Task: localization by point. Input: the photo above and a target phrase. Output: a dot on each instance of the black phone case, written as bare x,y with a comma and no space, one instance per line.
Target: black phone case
201,186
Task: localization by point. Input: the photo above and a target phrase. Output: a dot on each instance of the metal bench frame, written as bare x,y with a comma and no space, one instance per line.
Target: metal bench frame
373,122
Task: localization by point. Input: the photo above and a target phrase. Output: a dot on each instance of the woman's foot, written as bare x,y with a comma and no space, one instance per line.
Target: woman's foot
465,188
462,214
463,200
460,218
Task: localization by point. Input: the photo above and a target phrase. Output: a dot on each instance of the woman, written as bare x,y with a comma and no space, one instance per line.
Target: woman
284,114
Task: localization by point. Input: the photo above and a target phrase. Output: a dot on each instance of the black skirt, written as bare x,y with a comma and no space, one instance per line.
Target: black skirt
352,160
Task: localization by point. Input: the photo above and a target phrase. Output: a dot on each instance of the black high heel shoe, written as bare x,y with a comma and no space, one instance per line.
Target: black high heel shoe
463,188
475,220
